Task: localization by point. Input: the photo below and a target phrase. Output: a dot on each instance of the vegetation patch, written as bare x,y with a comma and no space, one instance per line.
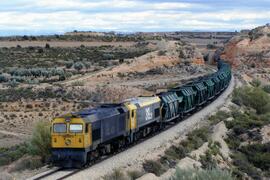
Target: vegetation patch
218,116
117,174
173,154
196,138
155,167
38,148
33,65
195,174
252,97
252,159
135,174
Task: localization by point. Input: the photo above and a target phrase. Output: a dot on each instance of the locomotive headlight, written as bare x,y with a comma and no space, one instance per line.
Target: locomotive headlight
68,142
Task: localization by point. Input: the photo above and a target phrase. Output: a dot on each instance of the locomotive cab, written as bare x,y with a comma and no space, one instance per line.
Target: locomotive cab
70,137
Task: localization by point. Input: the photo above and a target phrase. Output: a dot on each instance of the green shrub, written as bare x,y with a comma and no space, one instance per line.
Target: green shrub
214,147
135,174
176,152
252,97
244,121
40,143
209,174
266,88
255,82
27,162
117,174
3,78
12,83
219,116
195,139
8,155
155,167
68,64
207,160
258,155
161,53
78,66
242,164
211,46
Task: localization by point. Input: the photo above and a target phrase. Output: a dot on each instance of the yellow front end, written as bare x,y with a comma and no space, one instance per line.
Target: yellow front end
70,133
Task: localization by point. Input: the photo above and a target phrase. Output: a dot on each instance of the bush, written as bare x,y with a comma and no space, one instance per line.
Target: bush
252,97
27,162
219,116
8,155
176,152
121,61
3,78
194,174
40,143
161,53
13,83
68,64
214,147
47,46
242,165
258,155
116,175
255,82
207,160
244,121
266,88
211,46
155,167
135,174
195,139
78,66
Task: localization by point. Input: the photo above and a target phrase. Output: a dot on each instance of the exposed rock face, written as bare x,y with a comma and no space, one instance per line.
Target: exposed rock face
188,163
249,50
265,131
148,176
189,53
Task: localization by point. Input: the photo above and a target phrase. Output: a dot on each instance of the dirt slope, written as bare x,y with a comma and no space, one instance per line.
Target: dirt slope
250,50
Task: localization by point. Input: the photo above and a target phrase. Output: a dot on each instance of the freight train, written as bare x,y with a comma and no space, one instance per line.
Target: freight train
83,137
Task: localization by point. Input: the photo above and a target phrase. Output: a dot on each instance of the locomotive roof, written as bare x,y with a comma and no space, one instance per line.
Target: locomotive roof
143,100
101,112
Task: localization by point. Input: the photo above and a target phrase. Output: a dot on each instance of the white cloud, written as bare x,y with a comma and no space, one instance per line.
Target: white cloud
123,4
66,15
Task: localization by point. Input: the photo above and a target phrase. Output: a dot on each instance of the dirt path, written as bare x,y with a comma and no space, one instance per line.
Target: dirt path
153,147
19,135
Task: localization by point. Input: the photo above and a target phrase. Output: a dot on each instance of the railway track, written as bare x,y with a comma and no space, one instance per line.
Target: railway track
61,173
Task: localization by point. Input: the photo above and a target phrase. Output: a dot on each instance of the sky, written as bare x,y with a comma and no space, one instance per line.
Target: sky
36,17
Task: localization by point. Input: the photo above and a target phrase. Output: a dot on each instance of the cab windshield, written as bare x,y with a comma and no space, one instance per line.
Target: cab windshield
75,128
60,128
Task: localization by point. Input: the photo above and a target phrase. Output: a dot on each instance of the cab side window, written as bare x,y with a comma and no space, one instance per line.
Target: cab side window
132,113
157,112
86,128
